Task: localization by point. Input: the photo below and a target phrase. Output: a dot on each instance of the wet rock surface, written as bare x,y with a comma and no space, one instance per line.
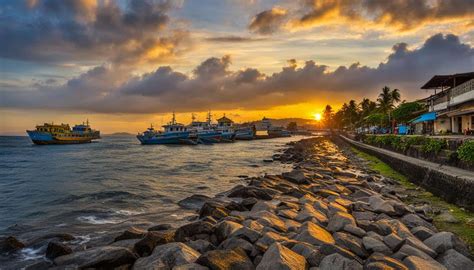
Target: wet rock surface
328,213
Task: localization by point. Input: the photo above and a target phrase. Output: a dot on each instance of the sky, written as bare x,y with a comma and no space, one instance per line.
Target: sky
126,64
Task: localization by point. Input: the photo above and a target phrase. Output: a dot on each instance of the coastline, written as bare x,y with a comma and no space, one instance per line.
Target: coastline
328,213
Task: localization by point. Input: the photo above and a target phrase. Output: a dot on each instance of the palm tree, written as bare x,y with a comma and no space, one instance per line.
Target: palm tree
387,100
327,114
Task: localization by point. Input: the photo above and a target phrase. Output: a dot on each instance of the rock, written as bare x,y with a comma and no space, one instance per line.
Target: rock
366,215
337,261
233,243
200,245
413,220
226,259
101,257
422,233
328,249
373,245
56,249
247,234
226,228
279,257
186,232
270,220
213,209
10,244
308,213
249,191
354,230
381,262
454,260
194,201
131,233
417,263
296,176
263,206
42,265
379,205
161,227
311,253
190,266
314,234
339,220
351,243
268,239
407,250
168,256
129,243
414,242
447,217
393,241
443,241
145,246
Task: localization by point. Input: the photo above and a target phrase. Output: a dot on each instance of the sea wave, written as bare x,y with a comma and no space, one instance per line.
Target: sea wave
99,220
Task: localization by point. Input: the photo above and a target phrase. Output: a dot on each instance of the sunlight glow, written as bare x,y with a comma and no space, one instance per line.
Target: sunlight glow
317,116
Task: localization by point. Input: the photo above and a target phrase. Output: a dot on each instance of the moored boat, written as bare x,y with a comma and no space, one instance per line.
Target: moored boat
62,134
226,127
276,132
245,133
206,134
174,133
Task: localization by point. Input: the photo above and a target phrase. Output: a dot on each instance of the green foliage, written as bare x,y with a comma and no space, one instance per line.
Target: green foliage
404,112
378,119
466,152
433,146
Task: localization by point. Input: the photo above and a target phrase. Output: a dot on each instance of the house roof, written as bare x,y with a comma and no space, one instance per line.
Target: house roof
224,119
448,80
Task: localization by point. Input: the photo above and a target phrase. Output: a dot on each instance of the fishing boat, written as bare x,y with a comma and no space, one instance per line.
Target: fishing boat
277,132
63,134
226,127
245,133
174,133
206,133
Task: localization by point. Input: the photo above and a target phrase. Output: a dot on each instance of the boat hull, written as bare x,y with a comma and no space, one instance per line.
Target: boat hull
172,139
44,138
209,137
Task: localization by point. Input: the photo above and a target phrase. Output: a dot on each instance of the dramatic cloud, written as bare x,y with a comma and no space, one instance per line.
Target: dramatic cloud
232,39
397,14
268,21
213,84
80,30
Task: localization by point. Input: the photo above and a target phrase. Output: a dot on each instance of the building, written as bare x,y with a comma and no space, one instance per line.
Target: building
451,107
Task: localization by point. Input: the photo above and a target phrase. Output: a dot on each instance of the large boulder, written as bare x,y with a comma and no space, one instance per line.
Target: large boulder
235,259
247,234
226,228
194,201
311,253
379,205
56,249
278,257
131,233
213,209
314,234
339,220
233,243
351,243
443,241
422,233
296,176
186,232
454,260
107,257
378,261
413,220
337,261
268,239
190,266
249,191
372,245
9,244
308,213
145,246
168,256
417,263
200,245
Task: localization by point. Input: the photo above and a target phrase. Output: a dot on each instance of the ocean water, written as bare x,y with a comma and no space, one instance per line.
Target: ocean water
95,190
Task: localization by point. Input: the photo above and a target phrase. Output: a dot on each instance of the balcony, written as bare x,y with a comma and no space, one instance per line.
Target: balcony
462,93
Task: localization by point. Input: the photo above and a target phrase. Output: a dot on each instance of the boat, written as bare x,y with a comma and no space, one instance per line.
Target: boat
174,133
206,133
62,134
277,132
226,127
245,133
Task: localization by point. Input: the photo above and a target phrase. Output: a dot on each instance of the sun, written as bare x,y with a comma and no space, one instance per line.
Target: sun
317,116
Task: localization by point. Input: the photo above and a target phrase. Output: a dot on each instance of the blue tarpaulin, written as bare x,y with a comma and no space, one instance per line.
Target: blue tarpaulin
431,116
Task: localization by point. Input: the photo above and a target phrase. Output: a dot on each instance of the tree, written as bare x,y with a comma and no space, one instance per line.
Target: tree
292,126
387,100
406,111
327,116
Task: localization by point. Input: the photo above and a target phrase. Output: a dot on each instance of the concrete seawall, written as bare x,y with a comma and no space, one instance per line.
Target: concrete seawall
453,184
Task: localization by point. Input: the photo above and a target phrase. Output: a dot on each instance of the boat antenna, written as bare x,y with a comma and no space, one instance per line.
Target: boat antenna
193,117
87,121
173,121
209,117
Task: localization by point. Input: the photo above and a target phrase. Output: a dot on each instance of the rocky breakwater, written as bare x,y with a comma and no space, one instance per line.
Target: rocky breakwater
325,214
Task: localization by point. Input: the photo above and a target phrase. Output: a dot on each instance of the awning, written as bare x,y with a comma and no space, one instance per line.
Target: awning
461,112
431,116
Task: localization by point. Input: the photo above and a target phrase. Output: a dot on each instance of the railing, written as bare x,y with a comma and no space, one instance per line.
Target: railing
462,88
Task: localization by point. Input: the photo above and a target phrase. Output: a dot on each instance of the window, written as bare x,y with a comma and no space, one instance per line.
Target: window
472,121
